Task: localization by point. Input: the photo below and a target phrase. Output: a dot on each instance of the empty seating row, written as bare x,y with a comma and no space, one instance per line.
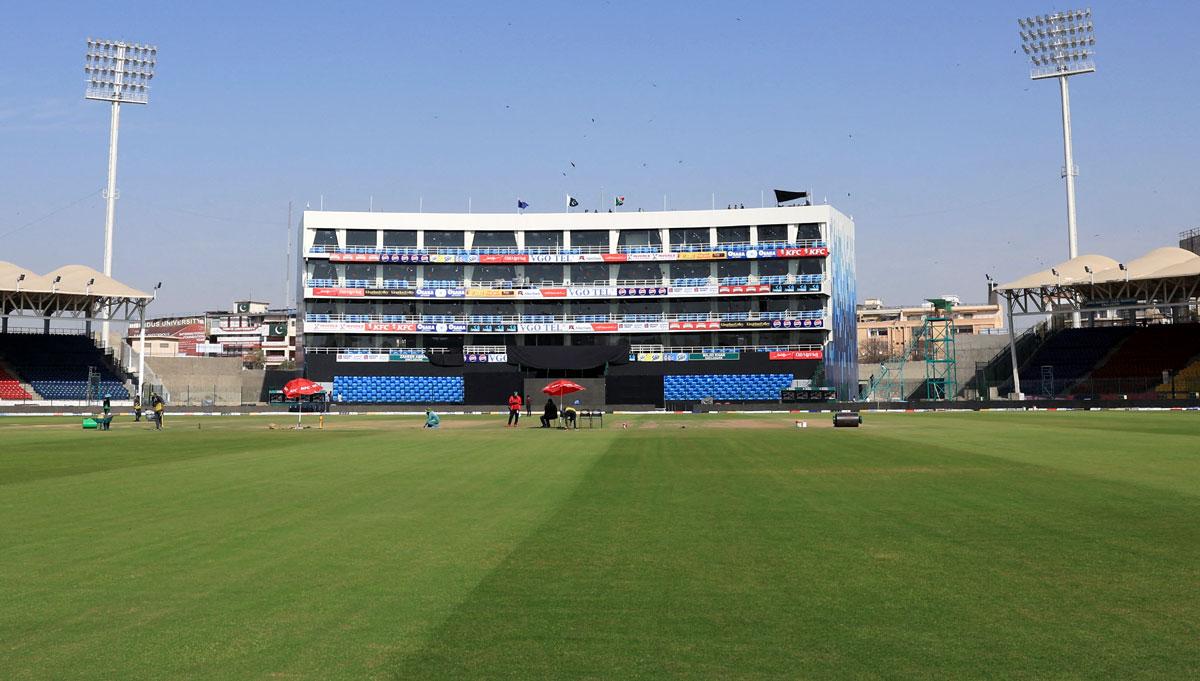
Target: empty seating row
398,389
78,390
10,388
57,365
757,387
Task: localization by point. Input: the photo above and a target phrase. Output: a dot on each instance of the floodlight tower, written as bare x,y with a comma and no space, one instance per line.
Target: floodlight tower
117,72
1062,45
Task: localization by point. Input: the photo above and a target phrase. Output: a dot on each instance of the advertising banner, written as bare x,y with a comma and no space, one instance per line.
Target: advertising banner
441,293
744,288
490,293
336,292
393,356
506,258
693,290
187,330
796,323
806,252
694,326
354,257
623,291
520,258
390,327
797,354
490,357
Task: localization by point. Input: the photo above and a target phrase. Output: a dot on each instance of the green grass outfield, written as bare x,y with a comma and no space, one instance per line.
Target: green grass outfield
1056,545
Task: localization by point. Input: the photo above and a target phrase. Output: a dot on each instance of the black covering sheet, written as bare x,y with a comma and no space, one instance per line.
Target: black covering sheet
559,357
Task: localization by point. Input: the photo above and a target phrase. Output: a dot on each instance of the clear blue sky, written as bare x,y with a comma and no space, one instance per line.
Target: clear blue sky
918,119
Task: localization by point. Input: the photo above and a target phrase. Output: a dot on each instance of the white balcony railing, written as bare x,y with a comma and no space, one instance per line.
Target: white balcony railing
401,286
566,251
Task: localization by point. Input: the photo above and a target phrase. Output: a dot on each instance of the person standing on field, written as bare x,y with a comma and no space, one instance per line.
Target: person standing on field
137,408
514,410
528,405
156,403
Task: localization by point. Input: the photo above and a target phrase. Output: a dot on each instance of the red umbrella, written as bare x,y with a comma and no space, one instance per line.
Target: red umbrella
562,387
301,386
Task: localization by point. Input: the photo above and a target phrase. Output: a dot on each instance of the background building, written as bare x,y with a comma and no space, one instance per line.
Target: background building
250,330
648,306
885,331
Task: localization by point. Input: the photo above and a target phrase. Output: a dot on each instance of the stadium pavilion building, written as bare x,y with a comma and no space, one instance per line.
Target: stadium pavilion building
642,308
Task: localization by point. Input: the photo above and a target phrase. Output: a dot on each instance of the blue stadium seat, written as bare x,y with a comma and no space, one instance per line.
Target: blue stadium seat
399,389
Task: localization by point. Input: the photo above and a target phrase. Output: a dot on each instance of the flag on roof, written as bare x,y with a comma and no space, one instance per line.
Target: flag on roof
620,201
572,201
784,196
521,204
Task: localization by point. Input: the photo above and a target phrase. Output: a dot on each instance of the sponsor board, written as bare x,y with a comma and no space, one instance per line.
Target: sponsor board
441,293
488,357
519,258
553,292
336,292
744,288
693,290
648,357
394,356
697,356
797,323
491,328
506,258
627,291
694,326
354,257
805,252
490,293
797,354
390,327
401,257
604,327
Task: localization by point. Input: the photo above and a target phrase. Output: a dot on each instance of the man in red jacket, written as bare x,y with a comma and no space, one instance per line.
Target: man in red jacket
514,410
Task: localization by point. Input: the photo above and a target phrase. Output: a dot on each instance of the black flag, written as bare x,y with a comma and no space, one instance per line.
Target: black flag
572,202
783,196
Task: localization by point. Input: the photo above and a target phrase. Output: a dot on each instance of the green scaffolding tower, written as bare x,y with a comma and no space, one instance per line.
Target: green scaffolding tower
941,358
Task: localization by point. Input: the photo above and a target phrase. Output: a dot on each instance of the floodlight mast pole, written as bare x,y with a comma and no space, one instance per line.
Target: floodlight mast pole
117,72
1061,45
1069,171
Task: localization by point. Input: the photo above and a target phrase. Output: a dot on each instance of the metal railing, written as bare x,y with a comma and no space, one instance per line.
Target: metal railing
583,319
566,251
712,349
508,284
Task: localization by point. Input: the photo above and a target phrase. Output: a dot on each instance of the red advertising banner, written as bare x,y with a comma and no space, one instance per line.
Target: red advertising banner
797,354
807,252
338,292
614,257
353,257
392,327
554,293
508,258
747,288
694,326
604,326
